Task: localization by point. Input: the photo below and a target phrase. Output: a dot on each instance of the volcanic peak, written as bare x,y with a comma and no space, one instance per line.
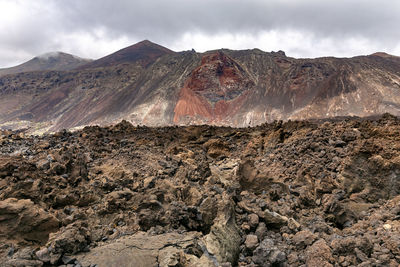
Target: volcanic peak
144,52
49,61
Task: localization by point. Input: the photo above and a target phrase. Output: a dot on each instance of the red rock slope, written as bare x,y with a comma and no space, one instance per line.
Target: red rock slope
214,91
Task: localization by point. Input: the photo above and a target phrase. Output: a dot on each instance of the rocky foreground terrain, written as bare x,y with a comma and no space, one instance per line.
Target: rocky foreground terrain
300,193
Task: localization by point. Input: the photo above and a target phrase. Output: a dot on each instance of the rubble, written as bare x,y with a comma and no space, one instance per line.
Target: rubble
326,193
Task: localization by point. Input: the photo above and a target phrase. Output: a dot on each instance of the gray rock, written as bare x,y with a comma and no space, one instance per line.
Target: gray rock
43,255
277,257
141,249
253,220
23,263
274,218
261,231
67,260
360,255
11,252
251,242
43,164
267,254
303,239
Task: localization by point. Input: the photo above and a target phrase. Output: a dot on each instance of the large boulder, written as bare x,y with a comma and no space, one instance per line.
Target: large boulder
23,220
143,249
223,241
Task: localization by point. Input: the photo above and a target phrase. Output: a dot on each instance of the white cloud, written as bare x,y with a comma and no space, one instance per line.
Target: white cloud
294,43
94,44
92,29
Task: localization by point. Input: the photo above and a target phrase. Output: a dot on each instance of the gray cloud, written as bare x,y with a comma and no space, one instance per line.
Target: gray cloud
91,28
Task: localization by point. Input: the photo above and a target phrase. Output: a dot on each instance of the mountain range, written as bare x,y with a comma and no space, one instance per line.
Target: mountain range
148,84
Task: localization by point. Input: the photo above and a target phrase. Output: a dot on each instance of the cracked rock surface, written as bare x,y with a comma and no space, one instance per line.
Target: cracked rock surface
307,193
141,249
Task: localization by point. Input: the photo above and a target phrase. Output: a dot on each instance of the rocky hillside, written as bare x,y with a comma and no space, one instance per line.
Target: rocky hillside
48,61
308,193
151,85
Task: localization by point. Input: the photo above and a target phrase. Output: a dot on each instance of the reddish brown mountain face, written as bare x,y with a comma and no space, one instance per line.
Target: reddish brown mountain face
216,89
152,85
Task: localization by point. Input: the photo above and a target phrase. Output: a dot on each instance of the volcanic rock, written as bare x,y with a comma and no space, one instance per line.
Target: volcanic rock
155,196
23,220
251,242
144,250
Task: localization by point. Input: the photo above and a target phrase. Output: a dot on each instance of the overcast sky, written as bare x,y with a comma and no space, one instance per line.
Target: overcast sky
95,28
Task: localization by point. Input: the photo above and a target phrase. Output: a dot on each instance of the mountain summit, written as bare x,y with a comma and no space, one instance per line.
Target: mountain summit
49,61
144,52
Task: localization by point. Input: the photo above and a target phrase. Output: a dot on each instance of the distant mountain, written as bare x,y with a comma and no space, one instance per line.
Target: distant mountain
48,61
152,85
144,52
